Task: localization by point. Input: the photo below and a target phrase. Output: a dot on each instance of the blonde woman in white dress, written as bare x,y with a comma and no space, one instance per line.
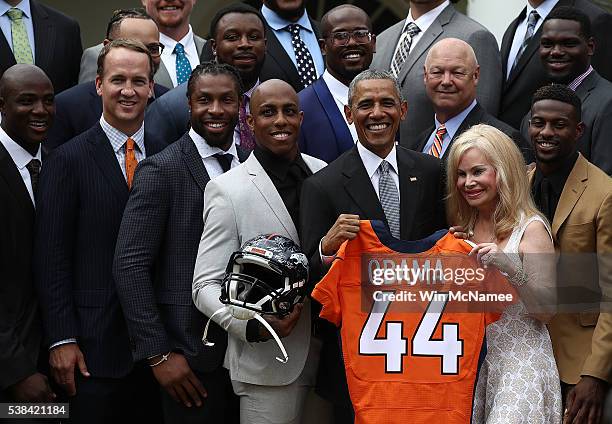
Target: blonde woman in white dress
489,196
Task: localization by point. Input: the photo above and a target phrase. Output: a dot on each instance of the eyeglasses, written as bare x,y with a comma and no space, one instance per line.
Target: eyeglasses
341,38
155,49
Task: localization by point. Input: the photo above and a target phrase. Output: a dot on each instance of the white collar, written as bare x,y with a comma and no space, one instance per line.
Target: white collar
336,88
372,161
424,21
543,9
21,157
170,43
206,150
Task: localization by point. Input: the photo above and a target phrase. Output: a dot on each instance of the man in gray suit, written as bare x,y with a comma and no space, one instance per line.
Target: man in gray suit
402,49
182,48
260,196
566,49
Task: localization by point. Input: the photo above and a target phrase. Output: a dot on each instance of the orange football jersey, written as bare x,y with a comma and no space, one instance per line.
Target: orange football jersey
406,361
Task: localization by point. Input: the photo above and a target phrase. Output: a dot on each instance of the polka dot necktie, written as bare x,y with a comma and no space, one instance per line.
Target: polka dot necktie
183,67
305,64
21,45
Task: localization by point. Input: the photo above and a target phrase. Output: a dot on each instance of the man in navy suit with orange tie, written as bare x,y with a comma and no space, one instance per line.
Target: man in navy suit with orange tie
83,190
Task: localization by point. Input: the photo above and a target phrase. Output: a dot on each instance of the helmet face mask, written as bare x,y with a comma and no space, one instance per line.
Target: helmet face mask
266,276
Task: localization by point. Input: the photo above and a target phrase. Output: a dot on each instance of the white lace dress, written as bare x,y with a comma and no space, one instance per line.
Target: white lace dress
518,381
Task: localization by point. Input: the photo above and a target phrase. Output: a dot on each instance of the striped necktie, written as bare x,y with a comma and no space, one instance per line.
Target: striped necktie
389,198
532,20
436,147
404,48
21,45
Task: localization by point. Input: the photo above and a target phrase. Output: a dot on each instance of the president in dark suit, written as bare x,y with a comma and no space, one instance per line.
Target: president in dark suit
348,45
523,73
53,40
157,246
80,107
566,48
281,57
20,162
83,191
451,81
374,180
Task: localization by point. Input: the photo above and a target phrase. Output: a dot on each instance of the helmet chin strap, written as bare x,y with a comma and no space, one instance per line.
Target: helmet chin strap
245,314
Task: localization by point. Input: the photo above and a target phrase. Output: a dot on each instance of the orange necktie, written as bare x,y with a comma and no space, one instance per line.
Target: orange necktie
130,161
436,147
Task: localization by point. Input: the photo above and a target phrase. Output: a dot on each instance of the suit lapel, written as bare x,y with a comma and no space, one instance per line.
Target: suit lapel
507,42
588,85
275,51
104,157
344,140
428,38
194,163
472,118
574,187
423,141
44,35
7,59
409,179
162,77
10,173
359,187
264,184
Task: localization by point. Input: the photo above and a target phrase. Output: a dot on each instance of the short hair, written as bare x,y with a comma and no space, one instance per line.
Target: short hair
572,14
324,24
120,15
214,68
512,183
233,8
559,93
371,74
133,45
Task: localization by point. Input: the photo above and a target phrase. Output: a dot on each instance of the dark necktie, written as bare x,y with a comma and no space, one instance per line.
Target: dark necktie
545,193
225,160
389,198
532,20
33,168
305,63
403,50
247,138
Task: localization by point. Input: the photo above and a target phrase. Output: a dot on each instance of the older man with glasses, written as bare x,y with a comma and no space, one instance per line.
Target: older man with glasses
347,46
80,107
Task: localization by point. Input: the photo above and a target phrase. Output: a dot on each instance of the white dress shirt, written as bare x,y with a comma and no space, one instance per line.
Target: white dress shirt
169,58
519,36
452,125
339,92
423,22
207,152
21,157
5,23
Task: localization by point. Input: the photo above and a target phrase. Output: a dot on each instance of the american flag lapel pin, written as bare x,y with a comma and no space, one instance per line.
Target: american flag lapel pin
413,178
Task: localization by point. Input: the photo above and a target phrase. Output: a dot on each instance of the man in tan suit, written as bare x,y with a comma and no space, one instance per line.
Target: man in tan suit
576,197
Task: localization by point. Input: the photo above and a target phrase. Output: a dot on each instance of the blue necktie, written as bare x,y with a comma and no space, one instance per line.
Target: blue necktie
183,67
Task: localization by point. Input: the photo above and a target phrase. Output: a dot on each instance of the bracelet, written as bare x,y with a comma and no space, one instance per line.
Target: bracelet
164,358
519,278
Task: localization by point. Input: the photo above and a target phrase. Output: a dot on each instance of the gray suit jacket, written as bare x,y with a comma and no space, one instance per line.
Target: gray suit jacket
89,64
239,205
595,92
449,23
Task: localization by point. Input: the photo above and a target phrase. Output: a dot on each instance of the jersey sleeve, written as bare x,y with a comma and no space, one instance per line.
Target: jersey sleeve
327,293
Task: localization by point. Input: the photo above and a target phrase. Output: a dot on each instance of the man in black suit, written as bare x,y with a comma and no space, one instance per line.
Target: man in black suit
238,39
79,107
347,190
451,81
281,63
53,41
26,106
83,191
566,48
157,246
523,73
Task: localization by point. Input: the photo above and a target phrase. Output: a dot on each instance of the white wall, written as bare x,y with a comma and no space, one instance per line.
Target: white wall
495,15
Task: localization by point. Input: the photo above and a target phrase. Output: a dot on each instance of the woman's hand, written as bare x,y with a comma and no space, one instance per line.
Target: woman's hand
490,254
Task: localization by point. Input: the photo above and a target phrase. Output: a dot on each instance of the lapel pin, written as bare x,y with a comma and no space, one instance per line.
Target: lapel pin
413,178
